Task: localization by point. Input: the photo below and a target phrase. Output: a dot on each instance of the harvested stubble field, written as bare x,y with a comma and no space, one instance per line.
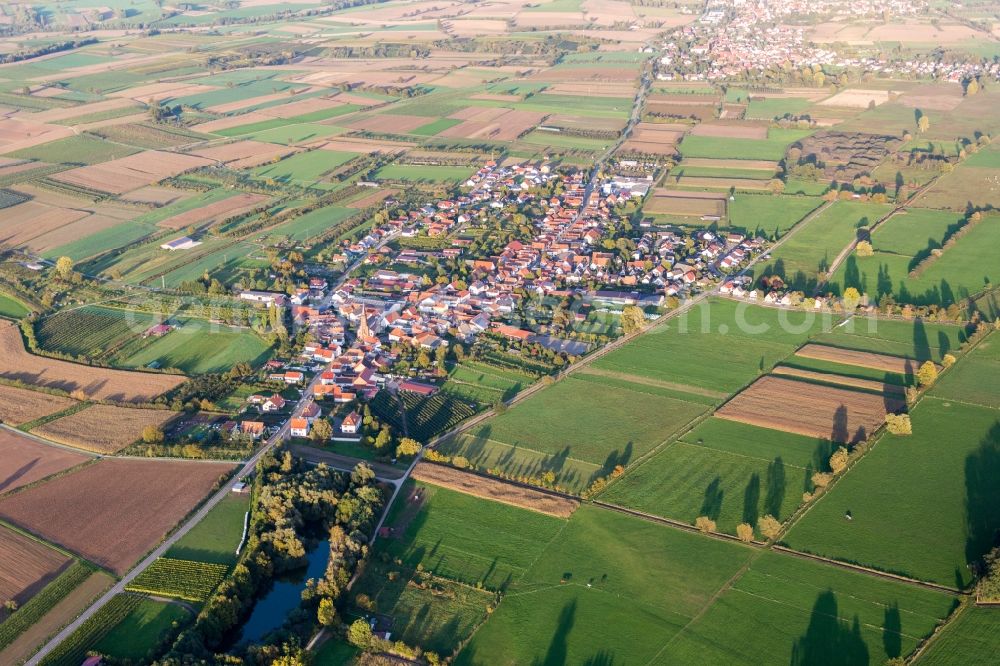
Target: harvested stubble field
103,428
494,489
685,203
25,460
894,364
131,173
114,511
243,151
214,212
26,566
731,130
842,380
98,383
839,415
18,405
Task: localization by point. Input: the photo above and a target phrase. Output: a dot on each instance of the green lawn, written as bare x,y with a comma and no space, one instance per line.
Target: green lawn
971,638
769,214
924,505
728,471
11,307
766,109
791,611
81,149
610,589
312,224
912,339
471,540
720,345
304,168
198,347
423,174
813,248
141,630
216,537
975,379
771,148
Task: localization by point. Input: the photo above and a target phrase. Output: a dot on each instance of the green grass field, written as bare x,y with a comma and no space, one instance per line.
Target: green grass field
610,589
435,127
304,168
90,330
975,378
728,471
470,540
912,339
423,174
786,610
768,214
11,307
216,537
924,505
766,109
197,347
813,248
314,223
771,148
82,149
971,638
141,630
720,346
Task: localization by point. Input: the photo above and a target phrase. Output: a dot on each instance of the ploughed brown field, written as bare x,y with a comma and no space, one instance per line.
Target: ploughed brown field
132,172
215,212
114,511
494,489
18,405
680,202
26,566
731,130
837,414
99,383
103,428
843,380
24,460
903,366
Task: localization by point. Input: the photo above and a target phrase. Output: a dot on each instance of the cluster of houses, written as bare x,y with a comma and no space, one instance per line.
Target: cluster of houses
732,38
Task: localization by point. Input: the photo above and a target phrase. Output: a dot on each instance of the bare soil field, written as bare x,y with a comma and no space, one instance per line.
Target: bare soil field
26,566
762,165
503,127
17,134
593,90
377,196
18,405
837,414
17,166
61,614
896,364
368,146
857,99
539,20
132,172
732,129
475,27
158,196
851,382
232,121
583,122
245,151
680,202
395,124
496,97
653,133
922,33
103,429
494,489
699,112
215,212
721,183
302,107
114,511
26,221
943,96
229,107
24,460
162,91
479,113
53,115
99,383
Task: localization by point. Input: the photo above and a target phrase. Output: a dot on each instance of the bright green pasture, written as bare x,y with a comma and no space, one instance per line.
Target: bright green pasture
576,419
814,247
610,589
720,346
11,307
977,378
287,135
140,630
971,638
685,481
313,223
304,168
215,538
432,128
769,214
471,540
423,174
923,505
771,148
81,149
915,230
915,339
769,108
198,347
787,610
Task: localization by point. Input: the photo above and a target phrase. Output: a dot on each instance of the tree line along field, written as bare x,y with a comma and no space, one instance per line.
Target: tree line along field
804,259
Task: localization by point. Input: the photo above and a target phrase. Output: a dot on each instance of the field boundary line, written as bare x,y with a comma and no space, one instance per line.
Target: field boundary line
943,627
871,571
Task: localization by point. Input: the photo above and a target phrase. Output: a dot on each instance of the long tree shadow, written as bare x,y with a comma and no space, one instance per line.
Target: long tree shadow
711,506
828,640
17,474
559,645
777,484
982,496
921,345
892,631
751,500
839,432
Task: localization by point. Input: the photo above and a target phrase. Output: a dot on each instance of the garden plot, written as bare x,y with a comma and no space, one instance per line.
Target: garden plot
114,511
131,173
814,410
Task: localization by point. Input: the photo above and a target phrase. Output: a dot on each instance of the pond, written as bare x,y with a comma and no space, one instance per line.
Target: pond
284,596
